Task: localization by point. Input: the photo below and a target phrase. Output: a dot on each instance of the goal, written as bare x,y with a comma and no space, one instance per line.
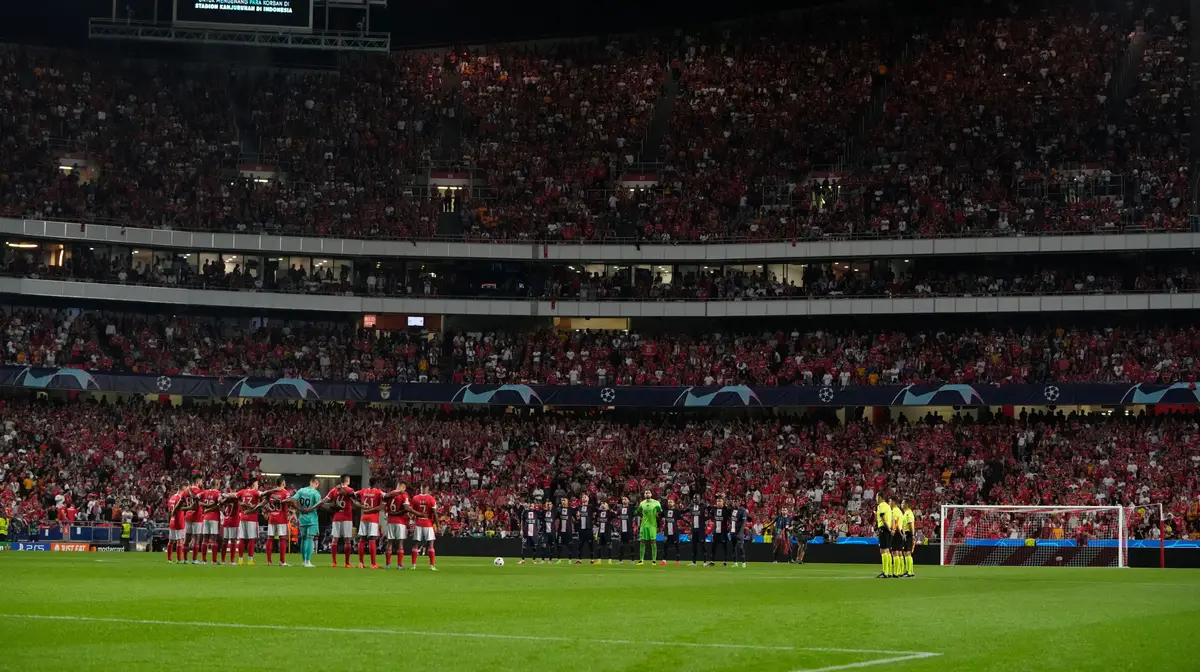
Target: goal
1035,536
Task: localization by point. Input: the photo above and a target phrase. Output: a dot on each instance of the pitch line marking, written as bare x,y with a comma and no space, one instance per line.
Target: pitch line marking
899,655
915,655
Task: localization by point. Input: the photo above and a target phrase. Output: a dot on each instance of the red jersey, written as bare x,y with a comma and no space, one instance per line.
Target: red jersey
370,498
195,515
249,498
342,498
176,522
424,505
397,514
210,498
229,513
277,508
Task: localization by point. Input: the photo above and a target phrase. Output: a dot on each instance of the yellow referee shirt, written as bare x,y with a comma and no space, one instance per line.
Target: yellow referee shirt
897,519
883,516
910,522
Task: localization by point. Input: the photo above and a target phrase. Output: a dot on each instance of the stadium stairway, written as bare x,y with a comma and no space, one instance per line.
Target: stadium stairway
450,142
247,133
652,143
1125,79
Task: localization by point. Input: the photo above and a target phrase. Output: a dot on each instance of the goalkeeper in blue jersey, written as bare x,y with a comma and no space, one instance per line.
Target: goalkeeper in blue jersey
306,500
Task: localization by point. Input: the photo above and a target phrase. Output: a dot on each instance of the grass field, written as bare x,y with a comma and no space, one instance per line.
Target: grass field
135,612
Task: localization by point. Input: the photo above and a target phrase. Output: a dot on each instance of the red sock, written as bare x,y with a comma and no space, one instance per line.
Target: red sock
347,547
193,545
373,560
170,549
333,551
400,555
414,556
250,544
360,551
181,551
270,547
224,548
282,547
241,548
432,555
387,556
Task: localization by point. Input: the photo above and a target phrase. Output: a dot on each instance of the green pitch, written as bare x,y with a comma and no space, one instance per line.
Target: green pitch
90,611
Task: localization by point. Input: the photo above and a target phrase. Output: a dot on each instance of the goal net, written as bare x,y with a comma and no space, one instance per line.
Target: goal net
1035,536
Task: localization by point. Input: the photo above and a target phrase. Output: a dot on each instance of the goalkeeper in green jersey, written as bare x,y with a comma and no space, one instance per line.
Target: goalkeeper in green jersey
649,509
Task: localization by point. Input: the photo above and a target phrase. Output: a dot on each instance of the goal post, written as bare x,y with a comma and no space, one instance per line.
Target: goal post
1035,536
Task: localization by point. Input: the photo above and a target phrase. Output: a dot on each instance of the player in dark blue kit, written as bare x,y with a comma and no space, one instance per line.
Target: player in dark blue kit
564,530
720,515
624,530
672,518
529,531
585,521
547,530
739,531
605,535
698,518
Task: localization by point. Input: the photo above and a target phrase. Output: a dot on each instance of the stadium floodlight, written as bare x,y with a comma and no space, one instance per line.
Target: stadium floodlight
1035,536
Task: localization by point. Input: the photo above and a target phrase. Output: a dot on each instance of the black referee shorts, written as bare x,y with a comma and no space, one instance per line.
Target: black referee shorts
898,542
885,539
908,542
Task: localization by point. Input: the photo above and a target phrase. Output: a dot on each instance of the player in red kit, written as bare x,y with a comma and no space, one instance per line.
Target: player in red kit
250,502
210,498
342,498
195,518
176,525
278,508
396,506
424,509
231,522
371,501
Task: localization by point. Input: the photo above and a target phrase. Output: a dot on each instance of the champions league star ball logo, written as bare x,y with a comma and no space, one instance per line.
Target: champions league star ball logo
608,395
825,394
163,383
1051,393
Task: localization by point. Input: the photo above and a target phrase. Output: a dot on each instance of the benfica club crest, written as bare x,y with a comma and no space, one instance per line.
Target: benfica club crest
385,392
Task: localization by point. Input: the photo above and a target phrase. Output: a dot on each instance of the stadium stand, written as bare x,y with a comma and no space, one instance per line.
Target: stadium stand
482,462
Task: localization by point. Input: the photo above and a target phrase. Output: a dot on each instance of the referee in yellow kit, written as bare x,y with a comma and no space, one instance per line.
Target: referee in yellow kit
883,530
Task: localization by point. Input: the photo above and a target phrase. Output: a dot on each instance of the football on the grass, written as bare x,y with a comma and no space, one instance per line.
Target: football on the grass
499,562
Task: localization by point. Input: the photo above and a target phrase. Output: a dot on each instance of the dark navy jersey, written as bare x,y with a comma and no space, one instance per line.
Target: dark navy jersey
625,519
739,517
671,518
563,516
720,517
529,524
696,516
548,521
604,521
586,516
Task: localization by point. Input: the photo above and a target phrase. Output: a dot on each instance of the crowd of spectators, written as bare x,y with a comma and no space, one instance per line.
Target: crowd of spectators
130,342
1000,121
104,461
481,466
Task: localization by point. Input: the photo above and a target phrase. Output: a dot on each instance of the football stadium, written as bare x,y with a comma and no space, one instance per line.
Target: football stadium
790,336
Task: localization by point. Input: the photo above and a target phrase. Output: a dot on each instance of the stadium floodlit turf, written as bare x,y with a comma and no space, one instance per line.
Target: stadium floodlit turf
91,611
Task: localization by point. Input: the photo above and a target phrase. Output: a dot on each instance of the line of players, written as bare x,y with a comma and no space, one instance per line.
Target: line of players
550,533
896,528
204,519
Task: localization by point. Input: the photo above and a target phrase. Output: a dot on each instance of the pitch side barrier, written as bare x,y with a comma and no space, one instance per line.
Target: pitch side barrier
728,396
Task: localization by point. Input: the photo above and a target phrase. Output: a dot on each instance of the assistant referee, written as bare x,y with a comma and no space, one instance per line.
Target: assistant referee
883,530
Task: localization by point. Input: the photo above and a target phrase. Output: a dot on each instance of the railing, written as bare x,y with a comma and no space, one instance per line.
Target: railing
339,289
607,239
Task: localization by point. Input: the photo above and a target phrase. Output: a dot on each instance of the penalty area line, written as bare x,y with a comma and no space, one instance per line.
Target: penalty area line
898,655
